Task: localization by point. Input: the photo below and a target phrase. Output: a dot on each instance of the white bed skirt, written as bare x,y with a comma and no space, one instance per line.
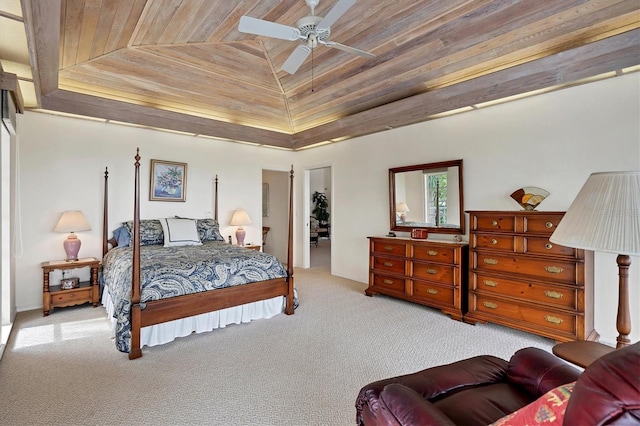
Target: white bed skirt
160,334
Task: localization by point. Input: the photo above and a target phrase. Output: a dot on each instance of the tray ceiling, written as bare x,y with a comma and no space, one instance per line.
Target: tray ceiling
183,65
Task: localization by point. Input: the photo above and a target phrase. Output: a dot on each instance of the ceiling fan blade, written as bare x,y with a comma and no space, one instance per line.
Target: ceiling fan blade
334,14
348,49
266,28
296,58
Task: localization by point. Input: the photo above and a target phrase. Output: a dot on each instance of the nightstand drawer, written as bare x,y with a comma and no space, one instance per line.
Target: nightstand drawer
72,297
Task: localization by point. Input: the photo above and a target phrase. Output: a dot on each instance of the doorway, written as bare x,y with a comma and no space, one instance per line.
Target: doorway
320,227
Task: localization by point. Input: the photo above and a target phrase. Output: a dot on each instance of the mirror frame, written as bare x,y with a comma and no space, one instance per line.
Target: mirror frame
431,229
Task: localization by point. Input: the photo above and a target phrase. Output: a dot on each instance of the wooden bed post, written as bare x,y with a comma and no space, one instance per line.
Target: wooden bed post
289,306
135,350
215,202
105,213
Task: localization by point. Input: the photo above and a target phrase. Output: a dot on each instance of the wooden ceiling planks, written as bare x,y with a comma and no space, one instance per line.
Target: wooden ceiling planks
187,56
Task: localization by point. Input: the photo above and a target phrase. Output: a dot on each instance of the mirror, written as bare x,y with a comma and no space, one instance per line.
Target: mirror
427,196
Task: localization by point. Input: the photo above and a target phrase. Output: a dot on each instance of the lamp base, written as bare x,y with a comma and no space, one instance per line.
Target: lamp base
240,235
72,247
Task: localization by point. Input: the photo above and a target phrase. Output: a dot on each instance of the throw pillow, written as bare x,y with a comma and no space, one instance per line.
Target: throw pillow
180,232
547,410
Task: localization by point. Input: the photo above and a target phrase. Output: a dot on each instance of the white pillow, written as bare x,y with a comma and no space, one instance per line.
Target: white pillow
180,232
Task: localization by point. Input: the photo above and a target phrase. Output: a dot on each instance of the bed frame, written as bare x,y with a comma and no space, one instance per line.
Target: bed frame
160,311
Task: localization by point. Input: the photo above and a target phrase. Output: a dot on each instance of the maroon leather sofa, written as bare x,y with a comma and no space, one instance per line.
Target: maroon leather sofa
483,389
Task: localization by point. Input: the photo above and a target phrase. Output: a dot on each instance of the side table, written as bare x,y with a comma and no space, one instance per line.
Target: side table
581,352
53,296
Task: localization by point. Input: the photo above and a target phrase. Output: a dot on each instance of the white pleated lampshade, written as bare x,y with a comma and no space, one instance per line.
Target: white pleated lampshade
402,207
605,216
240,218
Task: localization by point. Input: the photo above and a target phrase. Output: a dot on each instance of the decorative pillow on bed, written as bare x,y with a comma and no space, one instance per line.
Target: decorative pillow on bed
208,229
150,232
122,236
180,232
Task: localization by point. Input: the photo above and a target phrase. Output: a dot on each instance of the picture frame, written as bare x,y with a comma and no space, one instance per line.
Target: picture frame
168,181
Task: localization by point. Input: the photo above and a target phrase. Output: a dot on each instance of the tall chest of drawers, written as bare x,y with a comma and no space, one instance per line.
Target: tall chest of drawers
519,279
430,273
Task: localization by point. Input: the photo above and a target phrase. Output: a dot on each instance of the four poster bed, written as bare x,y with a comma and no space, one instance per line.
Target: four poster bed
157,288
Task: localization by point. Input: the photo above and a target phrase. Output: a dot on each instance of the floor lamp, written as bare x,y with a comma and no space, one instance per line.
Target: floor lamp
605,217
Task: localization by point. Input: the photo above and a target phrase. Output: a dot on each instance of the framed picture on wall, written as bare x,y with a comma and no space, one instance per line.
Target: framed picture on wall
168,181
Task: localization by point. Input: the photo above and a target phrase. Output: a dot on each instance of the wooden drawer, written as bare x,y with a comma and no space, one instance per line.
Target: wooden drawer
440,254
552,269
494,223
71,297
537,317
389,264
389,283
542,245
543,224
386,247
440,273
430,292
494,242
562,297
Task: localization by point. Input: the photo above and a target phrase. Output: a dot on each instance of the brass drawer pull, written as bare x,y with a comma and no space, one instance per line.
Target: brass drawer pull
548,246
388,248
553,269
491,261
553,294
490,283
432,253
388,281
494,241
432,271
432,291
490,305
388,264
549,225
552,319
494,223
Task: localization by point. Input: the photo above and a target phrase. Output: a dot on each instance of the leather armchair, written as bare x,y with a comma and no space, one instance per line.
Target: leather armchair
483,389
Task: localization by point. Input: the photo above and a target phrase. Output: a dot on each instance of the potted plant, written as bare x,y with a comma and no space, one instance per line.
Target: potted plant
321,210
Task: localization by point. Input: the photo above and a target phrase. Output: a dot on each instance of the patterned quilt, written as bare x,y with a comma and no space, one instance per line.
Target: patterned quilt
174,271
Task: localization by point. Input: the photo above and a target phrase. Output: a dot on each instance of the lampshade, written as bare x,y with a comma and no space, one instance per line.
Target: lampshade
72,221
240,218
605,216
402,207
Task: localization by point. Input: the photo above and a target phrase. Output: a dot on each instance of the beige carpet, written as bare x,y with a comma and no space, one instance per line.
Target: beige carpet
304,369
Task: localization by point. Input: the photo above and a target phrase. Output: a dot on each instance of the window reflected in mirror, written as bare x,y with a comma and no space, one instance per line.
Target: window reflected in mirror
427,196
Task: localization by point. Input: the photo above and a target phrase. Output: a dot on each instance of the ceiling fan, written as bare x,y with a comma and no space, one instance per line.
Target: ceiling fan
312,30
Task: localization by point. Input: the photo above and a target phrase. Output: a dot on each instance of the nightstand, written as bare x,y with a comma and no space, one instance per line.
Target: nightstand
53,296
255,247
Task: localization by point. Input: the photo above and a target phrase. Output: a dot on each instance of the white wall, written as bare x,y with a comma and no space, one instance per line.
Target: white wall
554,141
278,213
62,163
